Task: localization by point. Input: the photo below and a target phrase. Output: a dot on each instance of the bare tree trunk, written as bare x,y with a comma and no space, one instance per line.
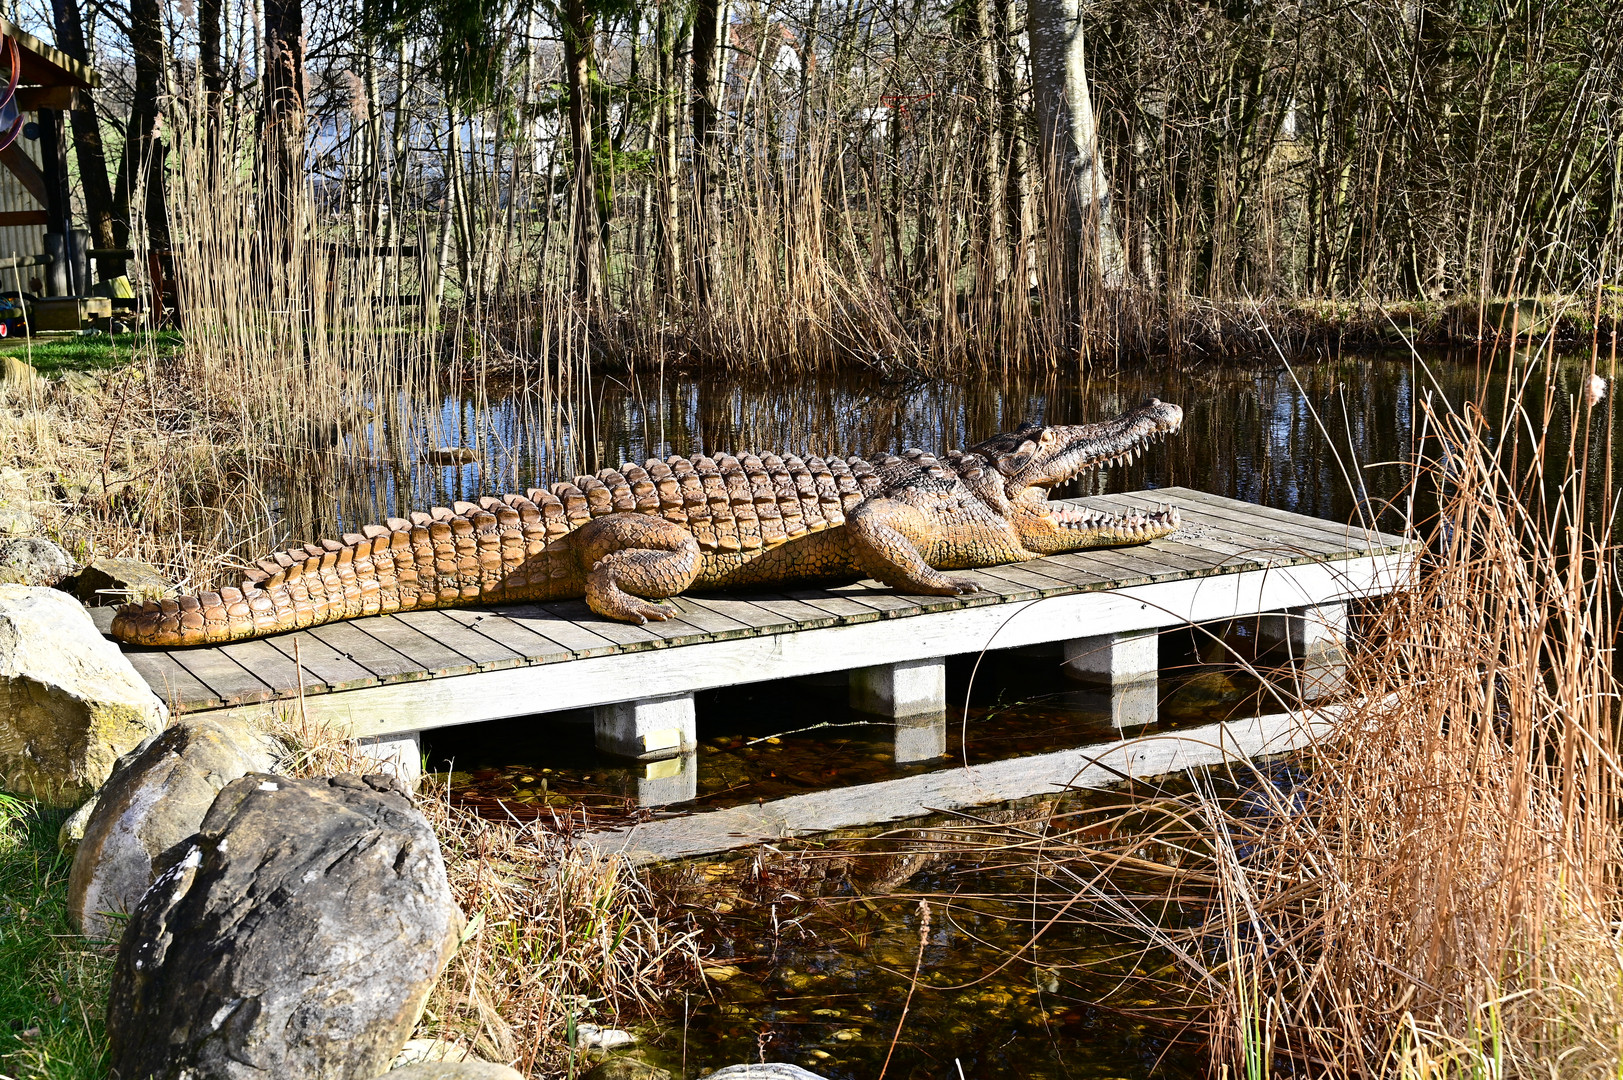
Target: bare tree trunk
709,26
1013,147
108,229
142,166
1070,137
209,29
579,31
282,116
668,120
989,182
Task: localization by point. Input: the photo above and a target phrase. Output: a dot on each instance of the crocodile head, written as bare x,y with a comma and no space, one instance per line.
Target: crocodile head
1031,460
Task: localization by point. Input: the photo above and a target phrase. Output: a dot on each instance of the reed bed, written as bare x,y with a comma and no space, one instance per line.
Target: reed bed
1435,891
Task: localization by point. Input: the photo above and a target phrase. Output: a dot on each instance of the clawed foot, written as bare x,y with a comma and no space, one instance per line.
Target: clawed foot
644,612
950,586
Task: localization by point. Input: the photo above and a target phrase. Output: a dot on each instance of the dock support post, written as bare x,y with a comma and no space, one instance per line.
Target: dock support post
920,738
1128,663
910,688
913,694
400,756
648,729
673,780
1315,638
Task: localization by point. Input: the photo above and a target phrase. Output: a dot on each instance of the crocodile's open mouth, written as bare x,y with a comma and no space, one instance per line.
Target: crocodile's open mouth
1035,458
1132,523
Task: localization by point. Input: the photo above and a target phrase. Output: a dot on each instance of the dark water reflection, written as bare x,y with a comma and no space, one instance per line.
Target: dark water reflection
1322,437
1331,438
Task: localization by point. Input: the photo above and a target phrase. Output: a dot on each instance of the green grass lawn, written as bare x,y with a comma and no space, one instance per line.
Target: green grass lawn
53,983
86,352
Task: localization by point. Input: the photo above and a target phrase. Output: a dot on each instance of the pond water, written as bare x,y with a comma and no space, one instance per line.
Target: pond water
1328,437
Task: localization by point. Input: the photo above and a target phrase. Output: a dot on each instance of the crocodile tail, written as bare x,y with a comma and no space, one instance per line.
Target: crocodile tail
447,556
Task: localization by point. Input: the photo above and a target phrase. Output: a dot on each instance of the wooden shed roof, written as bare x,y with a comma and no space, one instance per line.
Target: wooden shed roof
44,65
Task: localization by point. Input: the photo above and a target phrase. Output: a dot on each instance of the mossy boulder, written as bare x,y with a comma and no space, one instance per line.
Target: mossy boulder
72,703
109,582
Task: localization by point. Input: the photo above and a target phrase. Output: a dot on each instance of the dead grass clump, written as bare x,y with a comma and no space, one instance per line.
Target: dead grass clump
558,934
1435,892
1440,894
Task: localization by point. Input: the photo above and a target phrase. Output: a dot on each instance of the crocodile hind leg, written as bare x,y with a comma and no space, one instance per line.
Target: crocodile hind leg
631,559
884,538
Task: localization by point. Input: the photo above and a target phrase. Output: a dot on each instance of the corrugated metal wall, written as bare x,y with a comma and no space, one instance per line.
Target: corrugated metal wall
20,239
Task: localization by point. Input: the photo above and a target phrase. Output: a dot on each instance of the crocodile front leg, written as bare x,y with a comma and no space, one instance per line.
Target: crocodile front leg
886,536
630,559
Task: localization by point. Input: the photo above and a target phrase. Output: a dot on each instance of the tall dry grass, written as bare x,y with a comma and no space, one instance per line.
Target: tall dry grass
1440,895
1437,890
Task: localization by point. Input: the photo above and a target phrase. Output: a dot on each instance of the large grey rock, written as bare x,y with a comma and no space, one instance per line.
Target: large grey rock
156,797
72,703
771,1070
109,582
297,934
34,560
454,1070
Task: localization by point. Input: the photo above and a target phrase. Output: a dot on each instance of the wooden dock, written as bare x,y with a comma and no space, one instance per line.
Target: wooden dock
389,677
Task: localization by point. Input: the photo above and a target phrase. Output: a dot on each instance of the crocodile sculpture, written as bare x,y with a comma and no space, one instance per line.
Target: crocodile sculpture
625,538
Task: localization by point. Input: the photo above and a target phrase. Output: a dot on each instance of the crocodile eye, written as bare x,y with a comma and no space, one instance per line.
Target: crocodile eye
1047,436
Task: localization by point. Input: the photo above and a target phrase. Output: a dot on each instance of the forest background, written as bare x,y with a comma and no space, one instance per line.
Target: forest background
924,183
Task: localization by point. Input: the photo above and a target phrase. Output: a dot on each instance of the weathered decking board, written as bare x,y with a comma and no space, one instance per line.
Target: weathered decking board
416,670
688,835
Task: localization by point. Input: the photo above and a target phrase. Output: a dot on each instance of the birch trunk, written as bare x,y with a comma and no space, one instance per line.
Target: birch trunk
1070,138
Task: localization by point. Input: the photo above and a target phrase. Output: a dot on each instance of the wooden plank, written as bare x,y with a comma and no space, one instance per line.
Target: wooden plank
1267,537
16,159
707,618
880,598
626,636
1242,529
273,668
1371,537
386,664
178,687
1027,576
844,608
751,613
798,612
992,584
380,710
335,670
422,650
1310,534
1110,573
1213,556
1354,537
224,677
486,652
578,639
535,648
957,787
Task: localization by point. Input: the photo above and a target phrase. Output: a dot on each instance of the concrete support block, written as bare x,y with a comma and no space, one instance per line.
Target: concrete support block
911,688
1128,664
920,738
1112,659
1315,640
401,756
648,729
673,780
1135,704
